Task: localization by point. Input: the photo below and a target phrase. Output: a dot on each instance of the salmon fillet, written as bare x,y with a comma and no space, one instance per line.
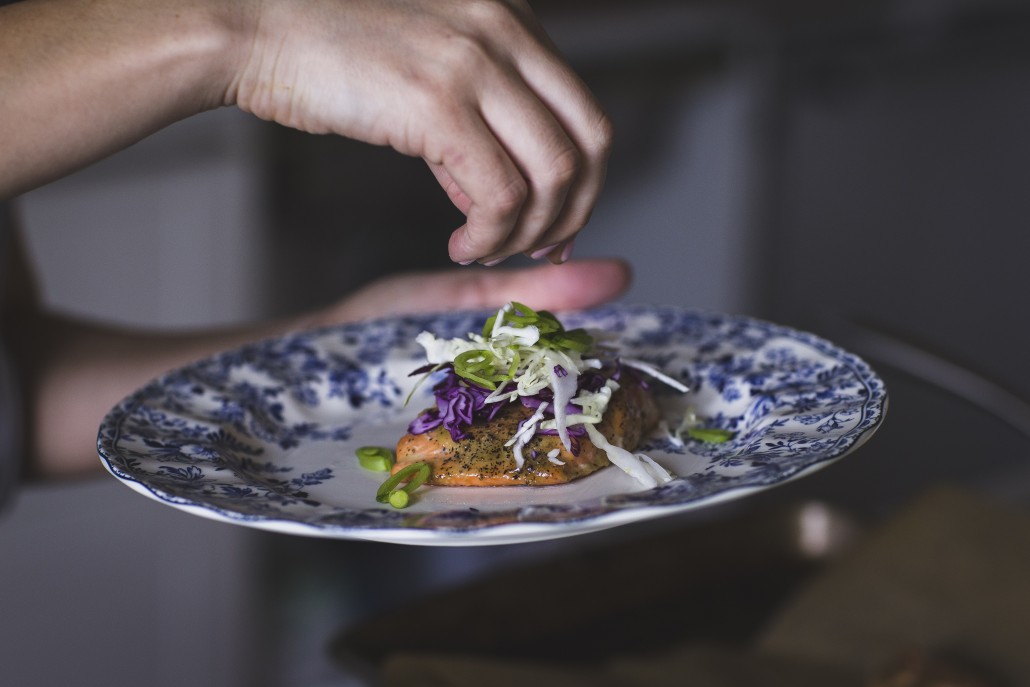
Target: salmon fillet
482,459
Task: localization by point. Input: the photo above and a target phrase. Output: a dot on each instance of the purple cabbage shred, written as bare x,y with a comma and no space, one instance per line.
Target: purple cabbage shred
459,404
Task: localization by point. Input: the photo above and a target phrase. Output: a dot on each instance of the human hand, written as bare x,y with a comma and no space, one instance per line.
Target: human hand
82,369
574,285
474,87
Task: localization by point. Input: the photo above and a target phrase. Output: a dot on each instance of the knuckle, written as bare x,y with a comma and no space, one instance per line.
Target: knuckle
457,60
601,137
491,14
564,168
510,197
445,78
463,53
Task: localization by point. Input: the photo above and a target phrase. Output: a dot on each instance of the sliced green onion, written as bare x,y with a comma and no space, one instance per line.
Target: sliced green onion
519,315
416,475
575,340
488,328
375,458
710,435
547,323
522,315
516,360
552,333
478,366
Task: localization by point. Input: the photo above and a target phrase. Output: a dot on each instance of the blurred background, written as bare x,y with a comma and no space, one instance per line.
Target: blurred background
859,171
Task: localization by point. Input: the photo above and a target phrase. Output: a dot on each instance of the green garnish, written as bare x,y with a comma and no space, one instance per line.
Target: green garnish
519,316
574,339
416,475
375,458
552,334
710,435
477,366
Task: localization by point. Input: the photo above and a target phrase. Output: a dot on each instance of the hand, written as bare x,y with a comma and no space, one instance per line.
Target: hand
472,86
578,284
77,371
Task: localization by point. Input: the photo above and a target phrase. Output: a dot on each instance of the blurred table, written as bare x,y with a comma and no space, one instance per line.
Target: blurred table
934,597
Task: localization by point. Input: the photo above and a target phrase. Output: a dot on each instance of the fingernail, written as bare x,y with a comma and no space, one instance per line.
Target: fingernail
495,261
537,254
466,262
566,252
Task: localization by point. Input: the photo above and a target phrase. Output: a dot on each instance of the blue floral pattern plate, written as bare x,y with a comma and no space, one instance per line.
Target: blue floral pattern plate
265,435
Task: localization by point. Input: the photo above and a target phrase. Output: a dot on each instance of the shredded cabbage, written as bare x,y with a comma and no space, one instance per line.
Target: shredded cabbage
522,353
637,465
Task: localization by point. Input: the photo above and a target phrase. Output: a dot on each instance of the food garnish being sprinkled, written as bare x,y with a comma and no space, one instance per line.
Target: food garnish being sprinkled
527,402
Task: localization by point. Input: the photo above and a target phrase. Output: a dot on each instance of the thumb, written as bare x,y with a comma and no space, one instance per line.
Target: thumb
573,285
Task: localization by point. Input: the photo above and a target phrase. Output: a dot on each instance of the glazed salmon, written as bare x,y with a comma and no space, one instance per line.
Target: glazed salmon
482,459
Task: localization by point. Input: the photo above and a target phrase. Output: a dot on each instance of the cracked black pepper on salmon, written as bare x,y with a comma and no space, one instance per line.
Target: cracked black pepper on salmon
482,459
527,402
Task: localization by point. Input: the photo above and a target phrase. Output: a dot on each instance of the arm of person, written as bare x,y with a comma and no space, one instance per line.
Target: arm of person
78,371
474,87
82,80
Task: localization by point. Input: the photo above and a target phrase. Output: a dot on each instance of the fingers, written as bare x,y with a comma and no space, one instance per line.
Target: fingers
483,181
532,193
575,285
517,190
529,171
589,129
473,87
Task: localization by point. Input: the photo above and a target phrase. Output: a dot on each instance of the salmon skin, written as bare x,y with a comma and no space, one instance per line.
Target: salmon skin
482,460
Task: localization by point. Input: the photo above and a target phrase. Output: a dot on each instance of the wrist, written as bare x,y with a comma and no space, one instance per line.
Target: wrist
230,30
207,43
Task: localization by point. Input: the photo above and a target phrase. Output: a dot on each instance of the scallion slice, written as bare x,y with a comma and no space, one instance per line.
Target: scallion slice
375,458
710,435
415,474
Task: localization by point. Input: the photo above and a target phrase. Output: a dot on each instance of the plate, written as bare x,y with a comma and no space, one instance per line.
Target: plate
264,435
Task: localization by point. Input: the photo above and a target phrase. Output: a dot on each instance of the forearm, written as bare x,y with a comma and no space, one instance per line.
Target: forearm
81,79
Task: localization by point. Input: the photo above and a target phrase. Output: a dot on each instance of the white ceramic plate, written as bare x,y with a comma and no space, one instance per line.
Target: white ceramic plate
264,435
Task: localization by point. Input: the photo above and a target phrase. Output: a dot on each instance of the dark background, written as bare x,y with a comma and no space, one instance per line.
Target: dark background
859,172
